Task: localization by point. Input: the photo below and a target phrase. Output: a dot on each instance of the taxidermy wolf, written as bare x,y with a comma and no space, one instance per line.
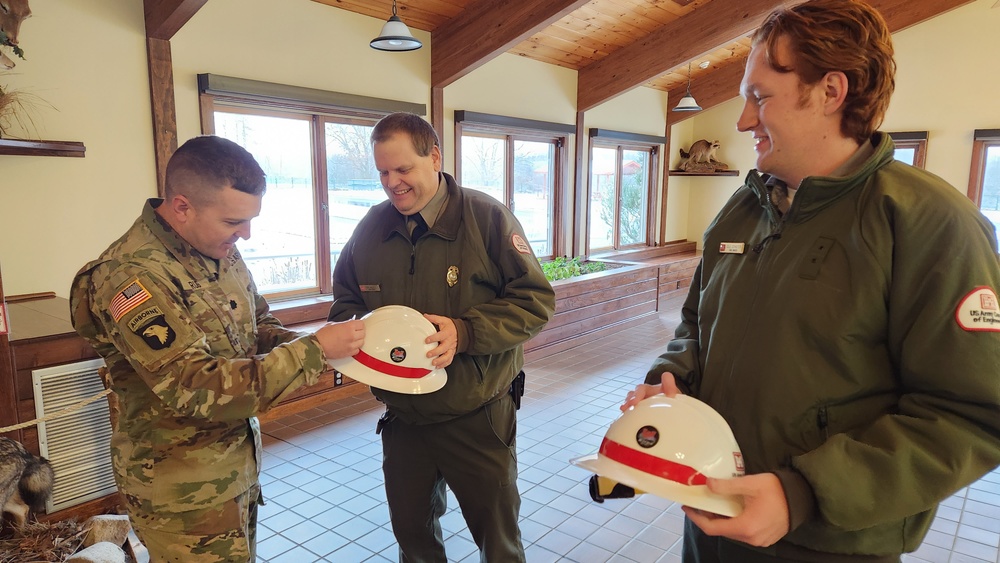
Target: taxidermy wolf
25,481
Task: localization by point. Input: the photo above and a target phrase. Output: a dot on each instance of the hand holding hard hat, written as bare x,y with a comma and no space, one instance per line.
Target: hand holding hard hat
394,354
670,446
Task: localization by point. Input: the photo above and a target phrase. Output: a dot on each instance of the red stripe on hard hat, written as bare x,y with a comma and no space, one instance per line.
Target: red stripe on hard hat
389,369
651,464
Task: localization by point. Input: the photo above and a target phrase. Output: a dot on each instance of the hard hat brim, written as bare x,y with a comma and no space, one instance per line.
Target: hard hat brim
695,496
359,372
377,363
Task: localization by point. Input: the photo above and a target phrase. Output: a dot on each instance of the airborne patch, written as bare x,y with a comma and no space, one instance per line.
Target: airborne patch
143,316
127,299
157,333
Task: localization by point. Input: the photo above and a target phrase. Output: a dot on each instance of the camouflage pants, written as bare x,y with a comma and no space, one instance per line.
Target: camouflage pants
223,534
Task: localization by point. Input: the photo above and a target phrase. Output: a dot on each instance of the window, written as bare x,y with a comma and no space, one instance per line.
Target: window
520,163
622,181
911,147
984,180
321,176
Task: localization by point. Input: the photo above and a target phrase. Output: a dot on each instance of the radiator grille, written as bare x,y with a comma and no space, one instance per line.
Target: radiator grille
78,444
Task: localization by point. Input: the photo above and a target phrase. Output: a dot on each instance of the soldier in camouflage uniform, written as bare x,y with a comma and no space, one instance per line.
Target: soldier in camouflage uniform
193,355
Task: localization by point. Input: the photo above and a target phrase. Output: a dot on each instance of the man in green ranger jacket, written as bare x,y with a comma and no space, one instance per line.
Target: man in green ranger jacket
844,318
193,355
473,275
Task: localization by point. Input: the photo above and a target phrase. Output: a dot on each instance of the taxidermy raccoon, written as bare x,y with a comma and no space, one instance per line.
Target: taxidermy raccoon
25,481
701,151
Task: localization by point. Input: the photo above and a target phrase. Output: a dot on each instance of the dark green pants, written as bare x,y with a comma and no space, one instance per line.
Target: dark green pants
473,455
701,548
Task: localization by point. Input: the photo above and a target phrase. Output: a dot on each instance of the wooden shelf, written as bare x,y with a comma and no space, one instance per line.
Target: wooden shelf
42,148
721,173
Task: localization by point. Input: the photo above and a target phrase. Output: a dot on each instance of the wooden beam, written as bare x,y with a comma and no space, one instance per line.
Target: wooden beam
485,29
437,116
578,201
165,17
724,84
704,30
161,97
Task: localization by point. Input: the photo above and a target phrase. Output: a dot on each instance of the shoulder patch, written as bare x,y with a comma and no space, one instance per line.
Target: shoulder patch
979,311
141,317
127,299
520,244
157,333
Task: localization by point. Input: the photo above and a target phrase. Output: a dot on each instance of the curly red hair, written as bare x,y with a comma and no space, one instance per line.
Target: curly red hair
848,36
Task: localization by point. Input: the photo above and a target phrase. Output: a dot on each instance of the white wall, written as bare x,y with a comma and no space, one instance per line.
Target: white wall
87,58
511,86
294,42
947,83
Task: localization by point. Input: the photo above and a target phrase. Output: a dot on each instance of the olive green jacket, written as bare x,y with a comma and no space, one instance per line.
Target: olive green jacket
853,346
473,266
193,355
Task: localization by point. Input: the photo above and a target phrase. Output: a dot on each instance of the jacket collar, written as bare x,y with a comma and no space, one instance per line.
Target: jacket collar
817,192
447,224
180,248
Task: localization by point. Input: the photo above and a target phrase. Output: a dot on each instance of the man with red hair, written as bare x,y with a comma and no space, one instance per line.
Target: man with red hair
844,316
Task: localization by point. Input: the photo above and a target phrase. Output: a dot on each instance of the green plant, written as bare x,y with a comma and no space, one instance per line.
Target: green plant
5,41
560,267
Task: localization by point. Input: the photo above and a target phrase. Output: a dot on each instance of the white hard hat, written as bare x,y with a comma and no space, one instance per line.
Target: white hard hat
668,446
394,356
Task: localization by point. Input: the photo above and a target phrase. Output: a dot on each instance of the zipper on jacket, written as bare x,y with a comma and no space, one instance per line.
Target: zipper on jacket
823,421
413,258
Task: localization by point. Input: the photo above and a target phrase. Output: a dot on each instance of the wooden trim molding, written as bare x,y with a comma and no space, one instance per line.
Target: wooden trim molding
462,115
42,148
719,173
626,136
255,90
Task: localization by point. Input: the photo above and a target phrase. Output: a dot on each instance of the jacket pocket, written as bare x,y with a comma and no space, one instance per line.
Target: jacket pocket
845,416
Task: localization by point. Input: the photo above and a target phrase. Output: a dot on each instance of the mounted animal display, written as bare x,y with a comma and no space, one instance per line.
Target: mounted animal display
701,158
12,13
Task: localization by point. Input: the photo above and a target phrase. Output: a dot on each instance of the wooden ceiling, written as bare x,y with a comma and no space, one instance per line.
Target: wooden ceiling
616,45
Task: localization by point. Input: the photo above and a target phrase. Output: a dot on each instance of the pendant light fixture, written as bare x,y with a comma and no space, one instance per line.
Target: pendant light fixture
688,102
395,35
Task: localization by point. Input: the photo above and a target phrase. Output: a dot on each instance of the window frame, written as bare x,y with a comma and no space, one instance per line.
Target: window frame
622,141
512,129
983,140
916,140
319,107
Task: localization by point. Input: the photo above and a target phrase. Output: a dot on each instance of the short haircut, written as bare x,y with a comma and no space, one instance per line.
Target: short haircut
837,35
204,165
420,131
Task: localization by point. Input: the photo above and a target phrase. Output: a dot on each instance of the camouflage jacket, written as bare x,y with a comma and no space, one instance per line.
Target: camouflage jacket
193,354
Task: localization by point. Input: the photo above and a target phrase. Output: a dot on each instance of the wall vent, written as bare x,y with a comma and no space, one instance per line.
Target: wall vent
78,444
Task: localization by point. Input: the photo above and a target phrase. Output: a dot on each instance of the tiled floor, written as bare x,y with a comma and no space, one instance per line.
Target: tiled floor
325,500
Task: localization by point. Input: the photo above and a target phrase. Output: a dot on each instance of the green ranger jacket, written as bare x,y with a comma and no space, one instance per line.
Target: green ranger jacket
192,355
475,266
853,345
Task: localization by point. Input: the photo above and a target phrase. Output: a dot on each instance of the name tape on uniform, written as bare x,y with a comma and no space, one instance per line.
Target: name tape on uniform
732,247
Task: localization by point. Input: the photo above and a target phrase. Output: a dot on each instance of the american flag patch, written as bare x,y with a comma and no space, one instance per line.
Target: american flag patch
127,299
